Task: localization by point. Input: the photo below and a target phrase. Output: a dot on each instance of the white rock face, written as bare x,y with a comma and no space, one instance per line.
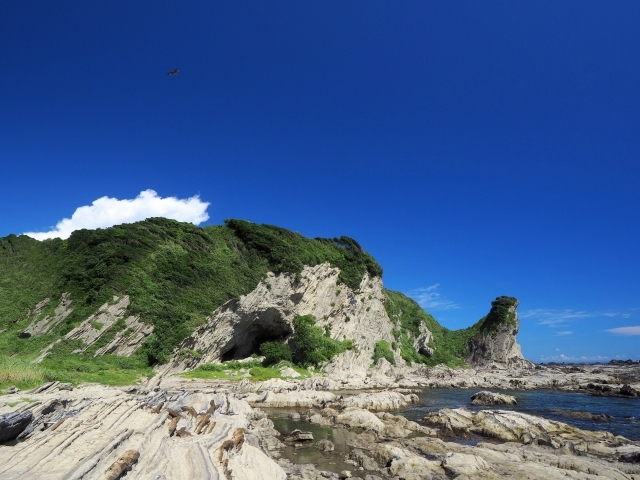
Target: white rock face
94,326
187,436
127,341
500,348
38,326
421,343
90,330
237,328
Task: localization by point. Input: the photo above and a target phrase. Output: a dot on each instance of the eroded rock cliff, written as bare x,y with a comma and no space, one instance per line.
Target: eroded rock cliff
495,343
237,329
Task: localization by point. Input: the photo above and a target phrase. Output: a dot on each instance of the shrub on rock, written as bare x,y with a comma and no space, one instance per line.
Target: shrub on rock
313,345
383,350
275,352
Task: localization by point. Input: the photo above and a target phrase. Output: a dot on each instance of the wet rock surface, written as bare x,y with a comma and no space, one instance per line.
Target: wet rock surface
598,417
299,436
492,398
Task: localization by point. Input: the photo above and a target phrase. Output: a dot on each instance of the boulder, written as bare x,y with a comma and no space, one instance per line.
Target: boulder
491,398
628,391
325,446
12,424
380,401
299,436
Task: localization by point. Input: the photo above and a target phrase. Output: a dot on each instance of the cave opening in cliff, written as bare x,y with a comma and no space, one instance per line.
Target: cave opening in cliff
229,355
262,334
268,327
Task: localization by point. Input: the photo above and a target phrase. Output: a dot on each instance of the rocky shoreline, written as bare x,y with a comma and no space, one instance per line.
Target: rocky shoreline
176,428
602,380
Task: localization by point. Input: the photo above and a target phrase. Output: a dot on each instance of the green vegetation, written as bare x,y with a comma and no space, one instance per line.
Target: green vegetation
275,352
75,369
450,346
287,251
186,353
500,314
312,345
175,274
22,374
236,371
382,350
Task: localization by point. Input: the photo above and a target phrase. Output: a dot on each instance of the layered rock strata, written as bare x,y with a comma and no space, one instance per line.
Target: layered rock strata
98,432
126,340
237,329
496,344
40,326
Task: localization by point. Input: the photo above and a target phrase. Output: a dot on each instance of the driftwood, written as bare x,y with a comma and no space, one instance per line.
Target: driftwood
123,465
12,424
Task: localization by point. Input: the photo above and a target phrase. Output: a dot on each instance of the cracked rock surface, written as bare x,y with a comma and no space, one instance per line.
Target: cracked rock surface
96,432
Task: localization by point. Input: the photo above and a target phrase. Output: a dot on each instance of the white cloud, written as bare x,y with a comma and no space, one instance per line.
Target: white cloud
569,359
558,318
106,212
554,317
559,334
628,331
429,298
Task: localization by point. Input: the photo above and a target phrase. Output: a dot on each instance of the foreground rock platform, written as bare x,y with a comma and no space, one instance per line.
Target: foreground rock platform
106,432
184,430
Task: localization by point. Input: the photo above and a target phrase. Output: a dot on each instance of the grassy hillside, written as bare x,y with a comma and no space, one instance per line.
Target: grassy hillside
450,346
175,273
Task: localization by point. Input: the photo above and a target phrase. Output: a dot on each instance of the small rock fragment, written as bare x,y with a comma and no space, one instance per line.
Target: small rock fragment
491,398
123,465
325,446
299,436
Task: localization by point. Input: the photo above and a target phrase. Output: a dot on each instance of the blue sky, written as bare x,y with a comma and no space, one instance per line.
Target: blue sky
476,149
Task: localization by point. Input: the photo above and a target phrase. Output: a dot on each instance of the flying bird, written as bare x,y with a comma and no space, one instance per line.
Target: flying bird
174,72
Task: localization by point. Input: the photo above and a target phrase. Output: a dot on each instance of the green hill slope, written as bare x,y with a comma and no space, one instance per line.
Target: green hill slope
175,275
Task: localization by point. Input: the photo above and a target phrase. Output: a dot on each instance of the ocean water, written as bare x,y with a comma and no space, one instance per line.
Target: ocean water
625,411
